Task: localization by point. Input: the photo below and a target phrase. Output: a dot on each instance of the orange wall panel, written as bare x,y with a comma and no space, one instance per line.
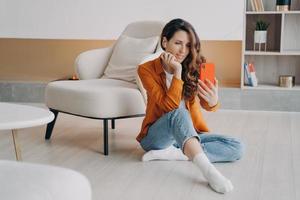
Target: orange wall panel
44,60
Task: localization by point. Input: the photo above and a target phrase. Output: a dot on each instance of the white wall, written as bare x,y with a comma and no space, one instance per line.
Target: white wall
105,19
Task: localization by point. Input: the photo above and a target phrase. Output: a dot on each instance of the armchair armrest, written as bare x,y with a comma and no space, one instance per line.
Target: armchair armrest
91,64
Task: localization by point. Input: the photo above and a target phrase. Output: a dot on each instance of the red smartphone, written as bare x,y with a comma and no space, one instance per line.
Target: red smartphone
207,71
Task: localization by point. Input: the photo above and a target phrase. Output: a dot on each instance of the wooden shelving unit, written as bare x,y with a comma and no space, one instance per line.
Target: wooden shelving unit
282,56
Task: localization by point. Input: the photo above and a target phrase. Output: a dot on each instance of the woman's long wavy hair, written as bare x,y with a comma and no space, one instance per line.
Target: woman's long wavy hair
190,65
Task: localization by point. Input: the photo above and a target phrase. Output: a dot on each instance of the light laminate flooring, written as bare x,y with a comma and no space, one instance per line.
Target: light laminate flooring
269,169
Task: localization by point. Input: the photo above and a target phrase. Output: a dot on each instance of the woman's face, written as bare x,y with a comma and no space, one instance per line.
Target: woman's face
178,45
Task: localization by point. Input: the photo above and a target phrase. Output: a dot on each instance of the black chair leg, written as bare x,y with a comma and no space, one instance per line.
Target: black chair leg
105,135
113,123
50,126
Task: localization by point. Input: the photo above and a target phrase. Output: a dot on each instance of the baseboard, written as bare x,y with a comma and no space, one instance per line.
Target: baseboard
268,100
31,92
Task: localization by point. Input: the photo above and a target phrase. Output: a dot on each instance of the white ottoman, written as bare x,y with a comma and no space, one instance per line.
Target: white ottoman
27,181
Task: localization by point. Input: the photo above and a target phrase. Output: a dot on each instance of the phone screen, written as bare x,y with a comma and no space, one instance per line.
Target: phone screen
207,71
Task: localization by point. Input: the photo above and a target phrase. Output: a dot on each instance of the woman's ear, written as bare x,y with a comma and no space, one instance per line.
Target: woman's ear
164,42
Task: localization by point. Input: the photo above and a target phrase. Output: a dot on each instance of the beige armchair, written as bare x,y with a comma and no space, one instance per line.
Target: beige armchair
107,89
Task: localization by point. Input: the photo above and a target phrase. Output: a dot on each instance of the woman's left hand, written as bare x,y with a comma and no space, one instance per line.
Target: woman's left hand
209,92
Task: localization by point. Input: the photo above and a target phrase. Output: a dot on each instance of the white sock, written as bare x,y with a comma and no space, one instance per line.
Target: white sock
216,180
170,153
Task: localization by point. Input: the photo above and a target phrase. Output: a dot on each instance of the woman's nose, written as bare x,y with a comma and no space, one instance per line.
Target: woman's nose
182,49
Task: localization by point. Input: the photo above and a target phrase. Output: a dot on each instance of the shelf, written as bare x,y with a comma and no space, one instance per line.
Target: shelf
270,67
292,12
271,87
273,53
273,33
282,55
272,12
291,32
291,53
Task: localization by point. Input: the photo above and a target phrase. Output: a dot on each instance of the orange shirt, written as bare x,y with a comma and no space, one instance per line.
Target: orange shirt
161,100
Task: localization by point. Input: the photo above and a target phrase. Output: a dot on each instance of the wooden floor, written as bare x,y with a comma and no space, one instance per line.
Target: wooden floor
270,168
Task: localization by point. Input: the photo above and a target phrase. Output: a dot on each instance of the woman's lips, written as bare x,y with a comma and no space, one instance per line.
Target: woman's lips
179,57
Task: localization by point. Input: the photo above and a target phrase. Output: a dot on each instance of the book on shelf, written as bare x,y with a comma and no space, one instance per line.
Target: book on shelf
250,75
253,77
246,75
260,5
257,5
252,5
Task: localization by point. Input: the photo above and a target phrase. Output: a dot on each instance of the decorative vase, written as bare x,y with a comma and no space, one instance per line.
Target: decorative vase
283,5
260,37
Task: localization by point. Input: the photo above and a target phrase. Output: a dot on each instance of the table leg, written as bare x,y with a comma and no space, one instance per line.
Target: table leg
16,145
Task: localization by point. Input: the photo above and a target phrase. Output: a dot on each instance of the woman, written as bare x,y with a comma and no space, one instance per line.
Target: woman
173,114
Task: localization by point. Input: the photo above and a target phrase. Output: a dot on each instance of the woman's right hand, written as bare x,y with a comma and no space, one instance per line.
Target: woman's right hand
171,62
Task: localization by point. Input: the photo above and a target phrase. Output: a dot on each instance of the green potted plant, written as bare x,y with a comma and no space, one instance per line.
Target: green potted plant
260,33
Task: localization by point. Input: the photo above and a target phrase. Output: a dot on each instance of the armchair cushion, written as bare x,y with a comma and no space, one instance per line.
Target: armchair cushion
99,98
127,54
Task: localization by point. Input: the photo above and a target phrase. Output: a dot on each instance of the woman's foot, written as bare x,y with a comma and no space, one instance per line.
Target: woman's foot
216,180
170,153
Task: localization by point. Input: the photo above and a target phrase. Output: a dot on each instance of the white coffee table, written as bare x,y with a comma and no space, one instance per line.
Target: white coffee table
15,116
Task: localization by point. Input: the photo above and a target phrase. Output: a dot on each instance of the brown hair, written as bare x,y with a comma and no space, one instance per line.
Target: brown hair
190,65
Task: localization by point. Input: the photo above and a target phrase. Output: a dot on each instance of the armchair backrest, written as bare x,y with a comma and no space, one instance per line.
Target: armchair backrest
92,64
144,29
95,63
138,40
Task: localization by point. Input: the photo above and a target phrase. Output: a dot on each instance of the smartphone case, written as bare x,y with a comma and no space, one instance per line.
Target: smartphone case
207,71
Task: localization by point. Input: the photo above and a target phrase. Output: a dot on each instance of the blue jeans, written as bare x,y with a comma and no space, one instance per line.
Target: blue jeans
176,127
